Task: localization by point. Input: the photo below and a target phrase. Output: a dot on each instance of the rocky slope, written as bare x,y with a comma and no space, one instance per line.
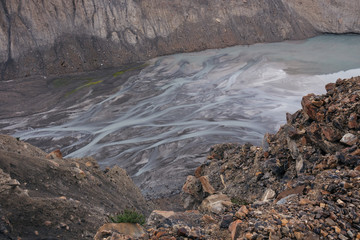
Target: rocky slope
46,197
53,37
304,183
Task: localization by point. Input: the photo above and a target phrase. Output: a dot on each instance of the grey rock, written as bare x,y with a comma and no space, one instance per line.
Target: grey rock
349,139
215,203
268,194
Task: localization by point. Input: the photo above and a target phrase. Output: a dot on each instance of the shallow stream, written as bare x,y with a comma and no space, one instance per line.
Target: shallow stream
160,123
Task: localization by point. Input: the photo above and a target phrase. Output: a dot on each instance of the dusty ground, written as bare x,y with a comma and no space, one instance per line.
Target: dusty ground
53,198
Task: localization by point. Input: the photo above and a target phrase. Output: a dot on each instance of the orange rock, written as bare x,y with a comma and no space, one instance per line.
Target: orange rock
356,152
242,212
191,185
248,235
324,233
160,234
234,229
324,192
284,222
304,201
47,223
206,185
330,86
198,171
208,219
314,127
317,103
357,168
88,164
353,123
54,154
303,141
244,209
330,133
320,117
131,229
287,192
308,107
354,98
320,166
298,235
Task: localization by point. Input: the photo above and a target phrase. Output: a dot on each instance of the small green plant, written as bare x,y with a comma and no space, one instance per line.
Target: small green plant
130,69
239,202
83,86
129,216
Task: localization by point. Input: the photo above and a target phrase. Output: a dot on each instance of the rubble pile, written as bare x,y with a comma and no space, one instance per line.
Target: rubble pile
303,183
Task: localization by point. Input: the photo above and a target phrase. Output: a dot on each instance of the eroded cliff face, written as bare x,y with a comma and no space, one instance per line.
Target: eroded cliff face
62,36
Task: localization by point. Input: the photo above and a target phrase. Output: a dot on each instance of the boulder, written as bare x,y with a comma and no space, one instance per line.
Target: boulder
215,203
129,230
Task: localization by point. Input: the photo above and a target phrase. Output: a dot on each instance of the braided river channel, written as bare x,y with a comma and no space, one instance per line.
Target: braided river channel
159,119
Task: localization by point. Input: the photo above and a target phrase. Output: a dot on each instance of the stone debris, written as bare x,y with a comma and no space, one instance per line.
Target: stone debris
115,230
55,154
216,203
303,183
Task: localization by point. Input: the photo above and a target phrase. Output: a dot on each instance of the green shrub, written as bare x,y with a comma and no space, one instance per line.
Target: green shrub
129,216
239,201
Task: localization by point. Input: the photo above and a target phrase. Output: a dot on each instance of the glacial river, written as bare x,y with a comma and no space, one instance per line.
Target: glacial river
160,123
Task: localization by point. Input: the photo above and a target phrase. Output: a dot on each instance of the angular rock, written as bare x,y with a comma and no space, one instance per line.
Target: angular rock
296,190
268,194
215,203
349,139
56,154
234,229
353,121
129,229
309,109
330,133
170,218
206,186
192,194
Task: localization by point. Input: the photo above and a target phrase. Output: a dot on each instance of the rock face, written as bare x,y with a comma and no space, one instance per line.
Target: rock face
44,198
54,37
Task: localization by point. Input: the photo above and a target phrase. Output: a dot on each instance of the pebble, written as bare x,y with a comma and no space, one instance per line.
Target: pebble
349,139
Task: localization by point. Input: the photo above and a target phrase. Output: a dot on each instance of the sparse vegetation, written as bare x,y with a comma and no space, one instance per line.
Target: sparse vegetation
129,216
239,202
130,69
83,86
